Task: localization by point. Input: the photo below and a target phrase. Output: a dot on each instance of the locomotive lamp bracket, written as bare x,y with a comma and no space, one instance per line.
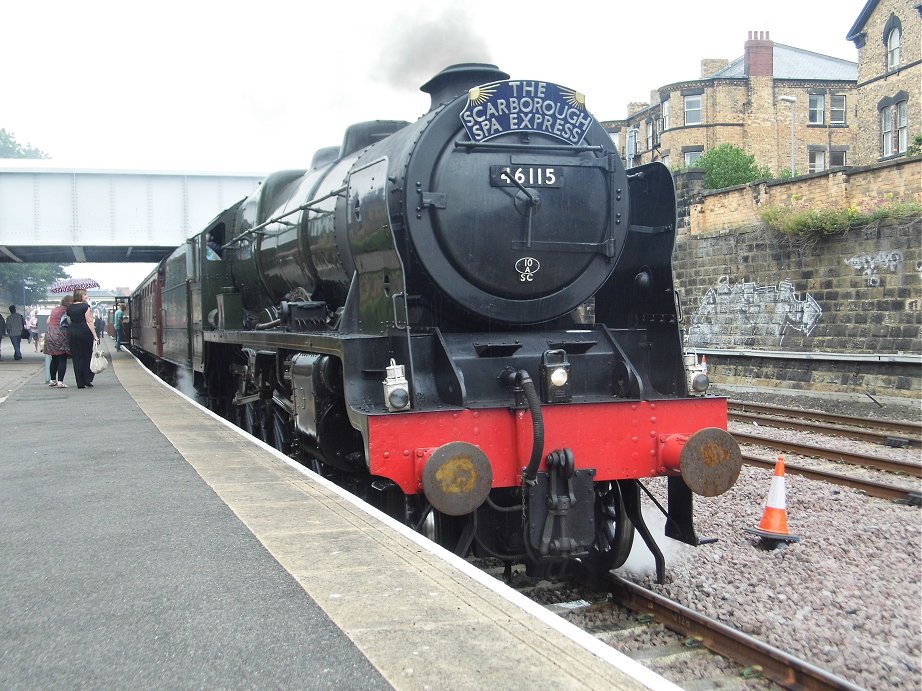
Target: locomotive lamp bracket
555,377
396,388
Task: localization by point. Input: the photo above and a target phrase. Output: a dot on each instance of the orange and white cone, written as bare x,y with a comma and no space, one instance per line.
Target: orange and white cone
774,523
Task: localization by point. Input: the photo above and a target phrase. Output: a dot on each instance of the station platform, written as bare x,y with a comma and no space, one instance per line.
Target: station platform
147,543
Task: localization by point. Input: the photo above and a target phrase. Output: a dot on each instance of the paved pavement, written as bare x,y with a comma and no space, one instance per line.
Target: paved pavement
120,567
147,544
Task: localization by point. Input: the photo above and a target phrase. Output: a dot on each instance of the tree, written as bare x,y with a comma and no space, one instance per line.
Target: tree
916,147
10,148
29,280
728,165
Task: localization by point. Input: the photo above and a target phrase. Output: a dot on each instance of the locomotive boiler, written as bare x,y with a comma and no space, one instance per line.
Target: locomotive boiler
469,320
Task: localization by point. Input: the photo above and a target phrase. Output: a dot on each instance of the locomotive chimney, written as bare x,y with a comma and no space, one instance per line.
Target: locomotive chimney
456,79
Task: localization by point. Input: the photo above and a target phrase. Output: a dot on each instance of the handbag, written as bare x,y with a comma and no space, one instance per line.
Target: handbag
98,362
25,333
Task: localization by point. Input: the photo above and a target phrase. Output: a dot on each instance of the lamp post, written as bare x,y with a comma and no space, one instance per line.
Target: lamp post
793,101
25,282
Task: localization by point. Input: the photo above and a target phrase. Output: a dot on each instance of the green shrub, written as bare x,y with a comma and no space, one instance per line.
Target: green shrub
727,165
916,147
805,221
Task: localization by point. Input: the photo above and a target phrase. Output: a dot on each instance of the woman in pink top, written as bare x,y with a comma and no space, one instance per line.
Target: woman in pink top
56,344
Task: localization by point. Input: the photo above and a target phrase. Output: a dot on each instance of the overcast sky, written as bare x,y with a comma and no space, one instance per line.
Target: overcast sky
254,87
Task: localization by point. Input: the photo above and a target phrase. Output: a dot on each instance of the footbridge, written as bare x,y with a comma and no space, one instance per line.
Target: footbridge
71,215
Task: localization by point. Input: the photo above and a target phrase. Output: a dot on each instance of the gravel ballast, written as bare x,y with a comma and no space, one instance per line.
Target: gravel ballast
846,597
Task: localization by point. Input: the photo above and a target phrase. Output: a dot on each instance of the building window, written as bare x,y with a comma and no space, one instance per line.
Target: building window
902,126
631,143
886,131
649,135
817,161
836,159
692,156
665,160
665,115
837,109
894,41
616,139
693,110
817,109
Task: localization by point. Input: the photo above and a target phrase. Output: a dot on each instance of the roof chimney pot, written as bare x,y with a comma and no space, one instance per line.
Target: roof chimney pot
758,55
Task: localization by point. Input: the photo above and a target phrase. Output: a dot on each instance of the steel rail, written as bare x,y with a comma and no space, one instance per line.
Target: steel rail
893,466
912,430
777,665
875,437
880,490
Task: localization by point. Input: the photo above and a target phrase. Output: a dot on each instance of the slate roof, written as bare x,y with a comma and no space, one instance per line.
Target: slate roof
795,63
863,17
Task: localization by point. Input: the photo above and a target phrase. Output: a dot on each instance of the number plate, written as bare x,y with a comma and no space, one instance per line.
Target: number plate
527,176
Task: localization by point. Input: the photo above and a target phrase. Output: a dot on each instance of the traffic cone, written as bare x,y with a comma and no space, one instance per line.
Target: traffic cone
774,524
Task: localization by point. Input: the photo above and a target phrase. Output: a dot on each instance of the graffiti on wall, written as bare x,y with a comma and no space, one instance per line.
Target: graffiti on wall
746,314
871,265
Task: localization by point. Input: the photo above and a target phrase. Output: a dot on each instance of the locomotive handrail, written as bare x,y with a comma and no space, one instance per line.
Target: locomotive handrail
530,147
275,219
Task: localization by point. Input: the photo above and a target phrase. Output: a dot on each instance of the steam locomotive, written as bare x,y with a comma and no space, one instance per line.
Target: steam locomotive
469,320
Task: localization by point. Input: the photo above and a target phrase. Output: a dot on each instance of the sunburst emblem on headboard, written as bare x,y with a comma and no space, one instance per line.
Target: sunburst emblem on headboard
479,94
574,98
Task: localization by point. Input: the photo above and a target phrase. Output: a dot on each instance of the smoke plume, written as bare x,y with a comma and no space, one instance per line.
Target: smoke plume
421,47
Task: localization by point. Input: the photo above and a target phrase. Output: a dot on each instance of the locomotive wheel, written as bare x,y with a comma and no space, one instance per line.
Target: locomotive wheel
281,436
265,421
248,418
614,532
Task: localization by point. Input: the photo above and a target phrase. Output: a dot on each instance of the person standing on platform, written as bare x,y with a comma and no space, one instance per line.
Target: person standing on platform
33,329
2,331
82,336
14,326
119,315
56,344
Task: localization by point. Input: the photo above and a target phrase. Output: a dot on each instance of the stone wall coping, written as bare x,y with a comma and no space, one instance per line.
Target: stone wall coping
844,171
908,358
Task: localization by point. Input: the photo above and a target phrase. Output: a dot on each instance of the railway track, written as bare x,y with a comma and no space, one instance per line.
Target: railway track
865,429
752,654
893,438
699,653
831,454
872,488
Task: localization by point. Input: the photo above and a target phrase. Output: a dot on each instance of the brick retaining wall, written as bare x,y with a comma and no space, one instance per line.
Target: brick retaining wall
709,211
855,294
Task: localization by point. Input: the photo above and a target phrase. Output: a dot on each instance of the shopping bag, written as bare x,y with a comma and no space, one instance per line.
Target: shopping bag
98,362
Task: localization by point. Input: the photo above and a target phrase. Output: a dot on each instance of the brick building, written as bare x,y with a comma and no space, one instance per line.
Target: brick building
888,35
844,113
750,103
